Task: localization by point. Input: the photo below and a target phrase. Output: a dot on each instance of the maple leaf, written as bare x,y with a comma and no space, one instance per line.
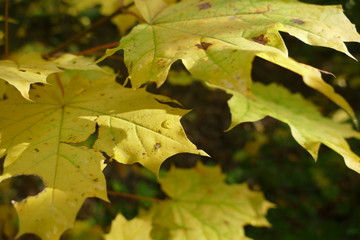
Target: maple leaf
138,228
203,206
218,40
74,62
308,126
42,138
28,69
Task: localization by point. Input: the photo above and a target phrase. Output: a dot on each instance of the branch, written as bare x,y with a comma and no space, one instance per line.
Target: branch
97,48
132,196
6,28
86,31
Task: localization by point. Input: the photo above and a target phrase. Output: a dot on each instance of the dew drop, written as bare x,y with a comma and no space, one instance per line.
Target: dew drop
166,124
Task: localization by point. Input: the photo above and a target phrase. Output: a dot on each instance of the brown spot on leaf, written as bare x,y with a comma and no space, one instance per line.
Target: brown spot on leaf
204,6
203,45
157,146
297,21
261,11
21,70
261,39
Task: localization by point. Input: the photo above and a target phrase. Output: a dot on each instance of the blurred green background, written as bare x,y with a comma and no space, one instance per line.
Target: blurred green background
314,200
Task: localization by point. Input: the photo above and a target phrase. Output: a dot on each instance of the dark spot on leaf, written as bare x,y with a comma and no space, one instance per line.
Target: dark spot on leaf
36,150
204,6
260,11
157,146
261,39
203,45
22,70
95,179
297,21
38,73
37,95
143,154
102,94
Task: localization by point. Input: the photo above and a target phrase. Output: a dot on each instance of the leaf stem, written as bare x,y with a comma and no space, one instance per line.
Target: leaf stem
138,17
86,31
58,80
6,28
133,196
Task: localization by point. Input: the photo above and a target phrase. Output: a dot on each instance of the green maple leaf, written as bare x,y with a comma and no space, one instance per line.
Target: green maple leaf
217,40
308,126
43,138
203,206
138,228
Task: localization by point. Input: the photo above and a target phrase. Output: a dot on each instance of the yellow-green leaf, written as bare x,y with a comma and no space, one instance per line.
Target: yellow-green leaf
308,126
44,138
50,213
138,228
28,69
70,61
203,206
218,40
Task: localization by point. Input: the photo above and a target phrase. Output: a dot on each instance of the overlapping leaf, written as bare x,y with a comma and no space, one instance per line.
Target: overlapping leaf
218,40
30,68
308,127
203,206
42,138
138,228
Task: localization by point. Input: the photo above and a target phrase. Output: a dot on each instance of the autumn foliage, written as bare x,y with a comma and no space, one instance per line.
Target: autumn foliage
64,117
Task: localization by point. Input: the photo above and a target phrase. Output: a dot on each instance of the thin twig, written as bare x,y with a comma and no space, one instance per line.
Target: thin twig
6,28
101,54
97,48
86,31
132,196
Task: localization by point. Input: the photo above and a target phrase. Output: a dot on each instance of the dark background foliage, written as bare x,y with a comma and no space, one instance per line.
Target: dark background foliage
314,200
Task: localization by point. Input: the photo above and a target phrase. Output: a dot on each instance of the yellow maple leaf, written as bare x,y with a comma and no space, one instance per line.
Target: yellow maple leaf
309,128
218,40
42,138
138,228
28,69
202,206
